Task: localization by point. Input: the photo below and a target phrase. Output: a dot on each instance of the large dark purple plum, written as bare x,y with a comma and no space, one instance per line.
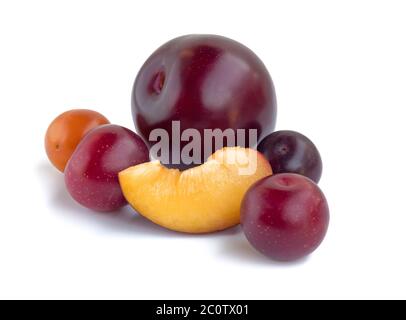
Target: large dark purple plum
205,82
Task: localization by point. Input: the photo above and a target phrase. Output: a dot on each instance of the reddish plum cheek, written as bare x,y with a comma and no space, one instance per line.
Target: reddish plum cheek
285,216
92,173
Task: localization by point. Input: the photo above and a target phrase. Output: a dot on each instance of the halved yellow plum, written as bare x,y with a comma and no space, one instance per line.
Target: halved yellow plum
202,199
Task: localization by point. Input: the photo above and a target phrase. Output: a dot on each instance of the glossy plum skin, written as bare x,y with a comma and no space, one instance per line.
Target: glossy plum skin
292,152
285,216
91,175
66,131
205,82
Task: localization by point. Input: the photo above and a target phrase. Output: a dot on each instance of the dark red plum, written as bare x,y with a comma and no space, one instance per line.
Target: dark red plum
285,216
205,82
292,152
91,175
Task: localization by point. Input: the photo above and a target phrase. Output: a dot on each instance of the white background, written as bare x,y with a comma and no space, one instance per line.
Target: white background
339,69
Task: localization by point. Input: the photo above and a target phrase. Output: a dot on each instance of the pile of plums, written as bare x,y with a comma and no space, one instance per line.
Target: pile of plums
200,82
